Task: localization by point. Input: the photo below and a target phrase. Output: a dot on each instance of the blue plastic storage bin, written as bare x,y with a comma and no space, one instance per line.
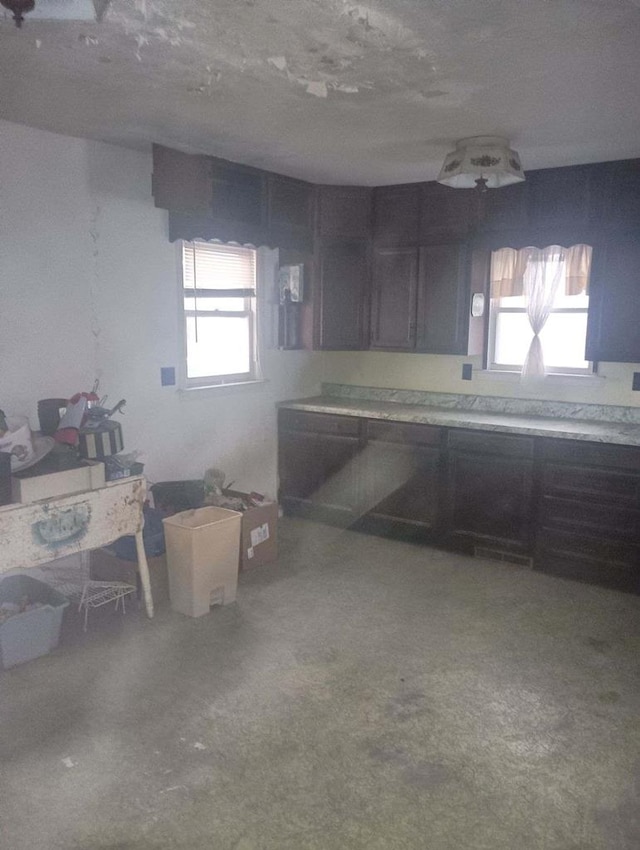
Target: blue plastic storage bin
32,633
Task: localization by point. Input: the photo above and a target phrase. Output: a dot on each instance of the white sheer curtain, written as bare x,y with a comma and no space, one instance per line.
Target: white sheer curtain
541,279
538,273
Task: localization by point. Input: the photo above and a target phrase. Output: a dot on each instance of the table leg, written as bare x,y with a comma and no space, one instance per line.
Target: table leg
143,569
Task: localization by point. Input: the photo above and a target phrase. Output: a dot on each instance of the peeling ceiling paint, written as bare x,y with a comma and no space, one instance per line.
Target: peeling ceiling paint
332,90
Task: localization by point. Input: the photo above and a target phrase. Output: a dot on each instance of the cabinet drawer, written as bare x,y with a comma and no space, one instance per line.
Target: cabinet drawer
590,518
320,423
591,484
491,443
591,454
401,432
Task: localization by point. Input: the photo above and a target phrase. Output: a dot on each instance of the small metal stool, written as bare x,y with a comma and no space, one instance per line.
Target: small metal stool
98,593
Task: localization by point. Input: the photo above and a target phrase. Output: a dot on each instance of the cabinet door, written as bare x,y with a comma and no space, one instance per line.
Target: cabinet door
344,211
559,197
402,484
341,294
446,213
181,182
290,213
490,489
319,474
504,209
618,194
443,296
613,329
396,215
491,499
239,194
394,298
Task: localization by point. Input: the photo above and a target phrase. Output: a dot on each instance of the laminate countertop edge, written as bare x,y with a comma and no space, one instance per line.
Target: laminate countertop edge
536,426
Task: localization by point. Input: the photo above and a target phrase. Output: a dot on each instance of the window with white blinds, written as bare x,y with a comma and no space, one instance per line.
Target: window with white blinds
218,298
210,265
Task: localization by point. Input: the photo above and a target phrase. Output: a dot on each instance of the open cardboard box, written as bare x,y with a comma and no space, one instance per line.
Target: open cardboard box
259,533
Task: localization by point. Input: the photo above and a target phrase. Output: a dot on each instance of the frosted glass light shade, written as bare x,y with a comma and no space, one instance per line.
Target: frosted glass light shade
486,157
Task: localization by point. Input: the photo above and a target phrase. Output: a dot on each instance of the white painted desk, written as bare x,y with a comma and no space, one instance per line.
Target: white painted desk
38,532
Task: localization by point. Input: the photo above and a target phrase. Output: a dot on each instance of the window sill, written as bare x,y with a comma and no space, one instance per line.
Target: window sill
495,375
230,386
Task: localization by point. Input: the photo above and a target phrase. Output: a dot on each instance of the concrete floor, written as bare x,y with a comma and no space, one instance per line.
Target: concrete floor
362,693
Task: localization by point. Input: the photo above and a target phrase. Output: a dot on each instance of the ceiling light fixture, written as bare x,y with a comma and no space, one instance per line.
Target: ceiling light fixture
56,10
483,162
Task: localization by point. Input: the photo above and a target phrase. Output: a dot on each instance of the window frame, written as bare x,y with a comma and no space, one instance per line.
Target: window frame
249,311
492,321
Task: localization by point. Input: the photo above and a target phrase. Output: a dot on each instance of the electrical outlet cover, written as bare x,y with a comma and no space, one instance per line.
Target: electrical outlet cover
167,376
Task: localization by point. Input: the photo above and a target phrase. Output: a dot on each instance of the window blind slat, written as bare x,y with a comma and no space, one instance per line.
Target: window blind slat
220,293
218,267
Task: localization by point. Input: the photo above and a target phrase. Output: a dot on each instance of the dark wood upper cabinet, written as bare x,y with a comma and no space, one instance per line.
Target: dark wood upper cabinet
181,181
396,214
617,195
559,197
504,209
290,213
344,211
394,298
419,280
443,299
341,294
239,193
446,212
613,330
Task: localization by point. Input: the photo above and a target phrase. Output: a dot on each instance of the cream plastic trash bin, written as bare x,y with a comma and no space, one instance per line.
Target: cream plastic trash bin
203,547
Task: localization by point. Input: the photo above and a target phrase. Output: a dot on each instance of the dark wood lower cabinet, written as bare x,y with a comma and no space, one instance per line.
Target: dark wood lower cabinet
401,472
318,463
490,491
571,506
589,513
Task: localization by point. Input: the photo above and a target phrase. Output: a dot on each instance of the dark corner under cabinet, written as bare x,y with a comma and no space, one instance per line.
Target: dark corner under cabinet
571,508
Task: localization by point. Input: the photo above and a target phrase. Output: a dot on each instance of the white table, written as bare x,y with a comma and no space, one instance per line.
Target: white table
35,533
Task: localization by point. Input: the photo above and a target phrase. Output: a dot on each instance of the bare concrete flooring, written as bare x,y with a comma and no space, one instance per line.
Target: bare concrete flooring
362,693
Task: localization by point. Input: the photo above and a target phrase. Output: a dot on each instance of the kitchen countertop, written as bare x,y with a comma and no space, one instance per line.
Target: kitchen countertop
620,433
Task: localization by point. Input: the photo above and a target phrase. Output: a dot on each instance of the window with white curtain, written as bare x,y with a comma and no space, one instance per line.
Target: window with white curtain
539,308
218,301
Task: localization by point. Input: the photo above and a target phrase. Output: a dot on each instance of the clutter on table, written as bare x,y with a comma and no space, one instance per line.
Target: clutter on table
79,447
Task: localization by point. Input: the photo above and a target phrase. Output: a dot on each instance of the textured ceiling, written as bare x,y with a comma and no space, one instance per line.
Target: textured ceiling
336,91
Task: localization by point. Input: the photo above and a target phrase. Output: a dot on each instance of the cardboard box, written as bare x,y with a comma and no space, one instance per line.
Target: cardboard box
259,535
107,567
90,476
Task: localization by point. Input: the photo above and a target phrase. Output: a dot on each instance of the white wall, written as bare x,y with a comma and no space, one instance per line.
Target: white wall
440,373
88,288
